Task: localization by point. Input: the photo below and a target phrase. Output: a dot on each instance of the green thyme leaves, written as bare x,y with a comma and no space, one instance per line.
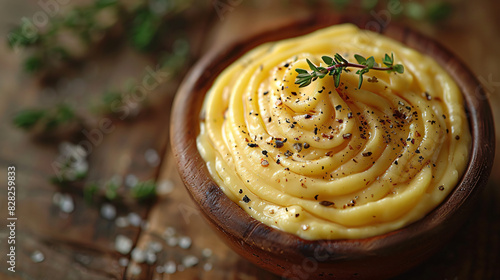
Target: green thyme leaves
49,118
337,64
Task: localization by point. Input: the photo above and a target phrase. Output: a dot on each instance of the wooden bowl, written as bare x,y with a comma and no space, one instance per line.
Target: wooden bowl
285,254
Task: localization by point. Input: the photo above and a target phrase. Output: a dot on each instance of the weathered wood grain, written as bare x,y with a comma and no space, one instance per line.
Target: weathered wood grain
67,239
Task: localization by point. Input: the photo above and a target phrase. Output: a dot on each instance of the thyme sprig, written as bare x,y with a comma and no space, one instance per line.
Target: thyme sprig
48,119
338,64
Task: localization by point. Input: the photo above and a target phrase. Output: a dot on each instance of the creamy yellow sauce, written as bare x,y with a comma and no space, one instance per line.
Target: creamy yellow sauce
335,163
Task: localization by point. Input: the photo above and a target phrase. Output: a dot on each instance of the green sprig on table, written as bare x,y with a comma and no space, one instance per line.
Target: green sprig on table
141,191
47,49
50,118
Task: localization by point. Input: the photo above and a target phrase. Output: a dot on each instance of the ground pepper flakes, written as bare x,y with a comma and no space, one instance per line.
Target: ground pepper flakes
326,203
279,143
327,136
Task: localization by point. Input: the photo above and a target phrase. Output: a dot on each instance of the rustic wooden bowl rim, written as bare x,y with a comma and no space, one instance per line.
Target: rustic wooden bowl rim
235,222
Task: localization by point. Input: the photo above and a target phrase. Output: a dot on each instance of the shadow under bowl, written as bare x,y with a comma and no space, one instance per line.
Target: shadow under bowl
290,256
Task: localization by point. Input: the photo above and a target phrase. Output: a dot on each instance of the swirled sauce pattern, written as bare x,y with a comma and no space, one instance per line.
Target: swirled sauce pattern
335,163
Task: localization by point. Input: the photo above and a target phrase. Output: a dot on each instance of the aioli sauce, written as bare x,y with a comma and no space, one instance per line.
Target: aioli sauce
335,163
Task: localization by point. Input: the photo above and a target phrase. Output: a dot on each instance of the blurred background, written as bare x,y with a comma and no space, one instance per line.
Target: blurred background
86,88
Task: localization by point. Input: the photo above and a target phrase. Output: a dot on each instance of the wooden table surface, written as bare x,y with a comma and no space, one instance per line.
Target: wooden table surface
81,244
